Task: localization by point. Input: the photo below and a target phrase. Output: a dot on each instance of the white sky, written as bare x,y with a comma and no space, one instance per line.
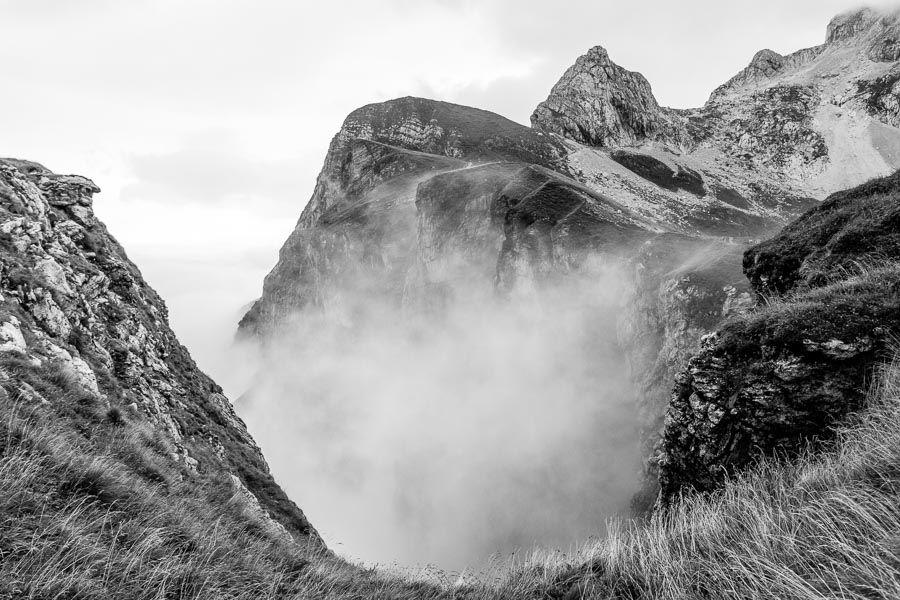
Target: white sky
205,122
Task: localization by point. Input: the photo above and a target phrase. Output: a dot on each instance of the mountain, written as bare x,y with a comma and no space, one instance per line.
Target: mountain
420,202
754,299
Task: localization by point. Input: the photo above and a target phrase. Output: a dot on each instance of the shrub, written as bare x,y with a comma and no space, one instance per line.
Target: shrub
114,416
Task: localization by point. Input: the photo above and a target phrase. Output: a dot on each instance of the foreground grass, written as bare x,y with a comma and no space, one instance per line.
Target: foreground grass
823,526
92,507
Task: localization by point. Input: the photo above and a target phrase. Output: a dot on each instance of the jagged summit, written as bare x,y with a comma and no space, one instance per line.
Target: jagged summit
864,20
853,40
764,65
598,103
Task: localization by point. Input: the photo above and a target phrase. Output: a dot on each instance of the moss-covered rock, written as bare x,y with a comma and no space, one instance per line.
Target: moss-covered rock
774,379
860,224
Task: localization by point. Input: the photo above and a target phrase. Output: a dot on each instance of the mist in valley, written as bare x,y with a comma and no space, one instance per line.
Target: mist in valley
486,427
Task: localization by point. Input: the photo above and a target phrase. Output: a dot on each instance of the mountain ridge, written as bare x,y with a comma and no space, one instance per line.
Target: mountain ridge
768,145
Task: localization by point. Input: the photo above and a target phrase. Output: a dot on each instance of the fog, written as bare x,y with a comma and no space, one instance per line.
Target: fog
448,438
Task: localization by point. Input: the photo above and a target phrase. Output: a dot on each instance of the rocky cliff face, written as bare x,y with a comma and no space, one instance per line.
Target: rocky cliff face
390,221
781,133
72,304
598,103
420,202
785,373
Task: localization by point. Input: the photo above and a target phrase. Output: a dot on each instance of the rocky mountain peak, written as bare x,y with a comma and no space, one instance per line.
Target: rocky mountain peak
765,63
876,32
849,24
598,103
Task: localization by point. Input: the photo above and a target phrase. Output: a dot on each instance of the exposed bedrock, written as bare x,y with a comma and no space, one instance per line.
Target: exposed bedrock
598,103
773,379
72,303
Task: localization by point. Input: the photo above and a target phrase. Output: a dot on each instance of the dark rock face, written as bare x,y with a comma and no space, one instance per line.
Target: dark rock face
880,98
848,25
683,288
500,226
71,300
784,374
598,103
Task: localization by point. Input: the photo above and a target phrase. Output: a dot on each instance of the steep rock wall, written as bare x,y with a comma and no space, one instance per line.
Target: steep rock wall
784,374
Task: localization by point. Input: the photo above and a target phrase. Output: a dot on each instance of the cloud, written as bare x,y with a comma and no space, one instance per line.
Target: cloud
448,437
210,168
512,97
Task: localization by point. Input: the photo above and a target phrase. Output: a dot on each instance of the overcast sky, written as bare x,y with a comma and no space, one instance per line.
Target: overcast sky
205,122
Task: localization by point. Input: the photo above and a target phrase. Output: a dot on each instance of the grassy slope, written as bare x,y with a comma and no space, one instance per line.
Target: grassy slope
91,509
824,526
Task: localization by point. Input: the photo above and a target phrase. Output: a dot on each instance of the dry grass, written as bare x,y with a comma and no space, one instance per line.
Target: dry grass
823,526
99,511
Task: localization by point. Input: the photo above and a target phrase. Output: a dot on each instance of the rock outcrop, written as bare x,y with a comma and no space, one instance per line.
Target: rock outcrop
71,303
598,103
779,376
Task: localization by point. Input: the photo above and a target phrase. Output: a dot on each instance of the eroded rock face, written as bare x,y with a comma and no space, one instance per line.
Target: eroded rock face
598,103
682,289
786,373
71,302
432,128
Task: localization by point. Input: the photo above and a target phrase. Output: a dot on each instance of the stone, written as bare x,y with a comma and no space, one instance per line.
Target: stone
49,314
11,338
54,275
77,367
68,190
